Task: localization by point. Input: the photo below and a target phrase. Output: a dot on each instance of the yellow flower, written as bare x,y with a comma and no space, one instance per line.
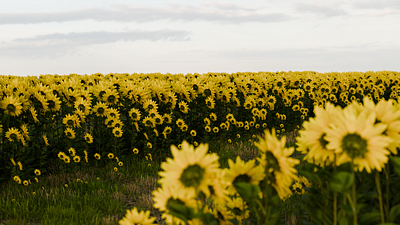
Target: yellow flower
298,188
135,150
17,179
88,138
183,107
167,118
148,122
207,128
215,129
11,106
20,165
117,132
213,117
72,151
100,109
190,170
135,114
37,180
149,145
110,155
71,120
277,158
82,105
120,163
210,102
193,133
67,159
13,162
115,169
113,113
149,105
25,132
134,217
110,97
184,128
97,156
13,134
240,171
238,135
70,133
37,172
26,183
207,121
77,159
180,122
46,141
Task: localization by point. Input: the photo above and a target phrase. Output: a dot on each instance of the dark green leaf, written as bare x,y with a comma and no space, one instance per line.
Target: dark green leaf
394,213
247,191
396,164
341,181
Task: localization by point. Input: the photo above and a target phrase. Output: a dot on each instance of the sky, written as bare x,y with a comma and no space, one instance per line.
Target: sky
176,36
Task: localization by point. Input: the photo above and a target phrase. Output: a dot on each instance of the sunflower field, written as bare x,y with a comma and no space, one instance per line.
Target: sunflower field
348,126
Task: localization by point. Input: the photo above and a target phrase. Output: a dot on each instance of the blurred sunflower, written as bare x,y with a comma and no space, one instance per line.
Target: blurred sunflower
239,208
100,109
46,141
88,138
70,133
117,123
180,122
109,121
110,97
149,145
213,117
72,151
82,105
25,132
11,106
149,105
215,129
54,103
110,155
276,157
117,132
148,122
76,159
191,169
135,150
97,156
134,217
158,119
13,134
183,107
111,112
167,118
207,121
241,171
207,128
135,114
210,102
184,128
193,133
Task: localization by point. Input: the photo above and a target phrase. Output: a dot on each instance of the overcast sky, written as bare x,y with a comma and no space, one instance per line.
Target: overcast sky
176,36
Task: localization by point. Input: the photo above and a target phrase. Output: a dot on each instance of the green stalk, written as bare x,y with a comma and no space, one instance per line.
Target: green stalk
334,197
378,186
354,206
387,167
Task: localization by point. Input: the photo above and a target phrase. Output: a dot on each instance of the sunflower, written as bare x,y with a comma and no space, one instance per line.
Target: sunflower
134,217
25,132
72,151
215,129
34,114
167,118
207,121
71,120
148,122
238,208
222,214
117,132
210,102
110,155
88,138
191,169
149,105
276,158
11,106
109,121
70,133
207,128
357,139
213,117
135,150
54,103
76,159
183,107
184,128
26,183
240,171
82,105
97,156
61,155
120,163
111,112
13,135
158,119
46,141
167,130
100,109
17,179
193,133
135,114
298,188
149,145
67,159
110,97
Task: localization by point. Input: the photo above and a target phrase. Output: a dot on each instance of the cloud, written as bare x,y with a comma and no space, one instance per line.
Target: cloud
141,14
326,10
57,44
377,4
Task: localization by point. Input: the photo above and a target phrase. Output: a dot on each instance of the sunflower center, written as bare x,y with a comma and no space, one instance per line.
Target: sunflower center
220,216
11,108
242,178
111,99
272,162
70,123
13,136
192,176
207,92
81,107
134,115
354,145
322,141
100,111
51,103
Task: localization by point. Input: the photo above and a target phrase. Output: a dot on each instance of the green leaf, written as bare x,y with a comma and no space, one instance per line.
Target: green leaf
209,219
372,217
181,211
341,181
249,192
396,164
394,213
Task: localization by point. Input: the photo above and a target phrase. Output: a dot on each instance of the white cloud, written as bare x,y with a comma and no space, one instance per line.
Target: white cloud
141,14
323,9
58,44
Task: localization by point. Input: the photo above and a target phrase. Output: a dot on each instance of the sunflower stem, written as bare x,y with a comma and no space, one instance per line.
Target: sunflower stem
386,169
354,205
378,187
334,196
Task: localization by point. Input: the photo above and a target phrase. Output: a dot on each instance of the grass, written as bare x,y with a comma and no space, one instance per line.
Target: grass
97,195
